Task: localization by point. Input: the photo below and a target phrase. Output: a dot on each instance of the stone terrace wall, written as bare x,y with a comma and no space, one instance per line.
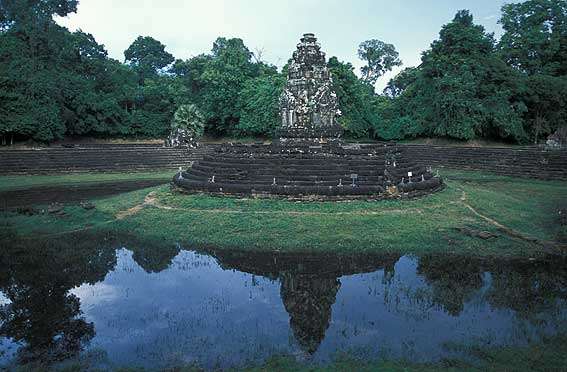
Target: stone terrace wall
531,162
94,158
522,162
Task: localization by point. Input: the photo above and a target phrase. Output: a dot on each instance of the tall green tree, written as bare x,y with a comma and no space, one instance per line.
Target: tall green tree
356,100
30,47
24,15
463,90
379,57
190,73
222,80
535,36
258,105
401,82
535,43
147,56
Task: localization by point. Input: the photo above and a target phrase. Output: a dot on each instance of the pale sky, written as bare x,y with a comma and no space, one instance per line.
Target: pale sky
189,27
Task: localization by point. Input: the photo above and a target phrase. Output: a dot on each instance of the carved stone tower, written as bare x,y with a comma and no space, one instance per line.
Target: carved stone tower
308,104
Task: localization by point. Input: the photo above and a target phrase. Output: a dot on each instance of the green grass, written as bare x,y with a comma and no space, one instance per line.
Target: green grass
425,225
26,181
549,355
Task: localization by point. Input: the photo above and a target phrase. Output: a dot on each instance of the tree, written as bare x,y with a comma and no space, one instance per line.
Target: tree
535,43
222,80
189,119
258,105
535,36
379,58
190,72
401,82
26,14
147,55
463,90
545,97
154,106
28,98
356,100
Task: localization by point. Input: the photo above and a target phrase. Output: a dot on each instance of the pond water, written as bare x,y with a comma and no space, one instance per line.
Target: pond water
155,307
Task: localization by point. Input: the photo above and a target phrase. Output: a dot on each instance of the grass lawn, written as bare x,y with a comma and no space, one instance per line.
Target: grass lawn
547,356
427,225
24,181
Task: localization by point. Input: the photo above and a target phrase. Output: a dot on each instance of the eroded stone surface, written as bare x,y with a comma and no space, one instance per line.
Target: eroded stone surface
181,138
308,105
558,139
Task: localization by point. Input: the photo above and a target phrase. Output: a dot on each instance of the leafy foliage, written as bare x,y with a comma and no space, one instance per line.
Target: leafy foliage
54,82
259,105
535,43
379,58
356,99
147,56
189,119
462,90
535,37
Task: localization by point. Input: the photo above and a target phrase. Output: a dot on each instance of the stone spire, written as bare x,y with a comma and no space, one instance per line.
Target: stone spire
308,105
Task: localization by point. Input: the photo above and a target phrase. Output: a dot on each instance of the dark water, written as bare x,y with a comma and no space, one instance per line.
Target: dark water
164,306
39,195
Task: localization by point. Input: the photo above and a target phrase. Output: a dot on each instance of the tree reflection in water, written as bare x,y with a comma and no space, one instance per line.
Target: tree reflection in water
528,287
36,278
44,317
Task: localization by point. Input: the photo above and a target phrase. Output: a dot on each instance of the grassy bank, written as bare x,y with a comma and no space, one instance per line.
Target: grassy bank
523,216
26,181
550,355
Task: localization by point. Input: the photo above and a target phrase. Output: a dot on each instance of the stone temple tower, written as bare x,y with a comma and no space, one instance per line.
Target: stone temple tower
308,105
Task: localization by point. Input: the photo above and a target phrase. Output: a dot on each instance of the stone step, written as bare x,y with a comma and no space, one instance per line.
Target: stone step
283,190
269,179
287,172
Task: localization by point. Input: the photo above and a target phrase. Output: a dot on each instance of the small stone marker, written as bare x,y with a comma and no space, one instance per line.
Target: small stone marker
87,205
354,177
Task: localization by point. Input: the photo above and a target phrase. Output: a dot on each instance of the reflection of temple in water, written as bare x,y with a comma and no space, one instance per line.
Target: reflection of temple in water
308,301
309,284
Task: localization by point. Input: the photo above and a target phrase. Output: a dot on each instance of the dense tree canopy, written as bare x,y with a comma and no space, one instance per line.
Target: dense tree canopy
535,43
258,105
24,14
535,37
463,90
356,100
469,85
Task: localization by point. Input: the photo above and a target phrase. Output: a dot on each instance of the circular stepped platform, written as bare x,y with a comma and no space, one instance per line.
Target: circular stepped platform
337,172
